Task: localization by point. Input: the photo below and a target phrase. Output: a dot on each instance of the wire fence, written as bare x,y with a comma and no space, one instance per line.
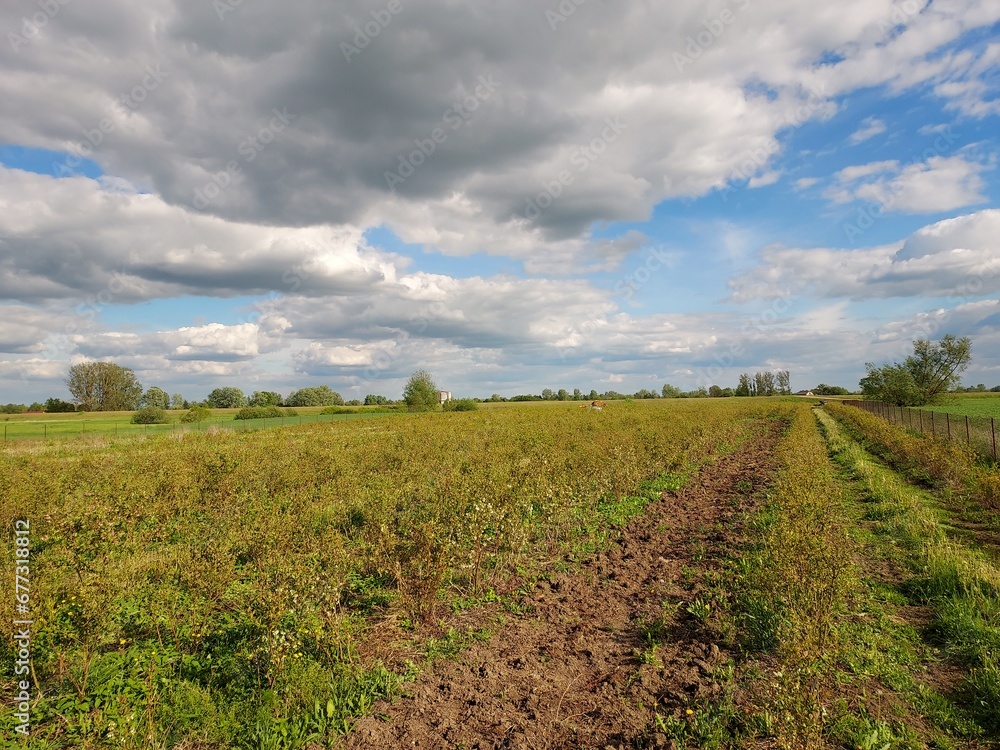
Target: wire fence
16,430
980,433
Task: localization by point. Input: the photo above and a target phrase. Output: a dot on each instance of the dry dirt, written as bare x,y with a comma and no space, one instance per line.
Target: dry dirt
568,674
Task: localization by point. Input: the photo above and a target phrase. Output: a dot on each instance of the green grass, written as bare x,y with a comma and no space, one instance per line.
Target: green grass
15,427
969,405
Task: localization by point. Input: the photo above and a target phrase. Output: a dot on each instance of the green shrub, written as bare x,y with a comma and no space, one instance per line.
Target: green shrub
338,410
264,412
150,415
196,414
460,404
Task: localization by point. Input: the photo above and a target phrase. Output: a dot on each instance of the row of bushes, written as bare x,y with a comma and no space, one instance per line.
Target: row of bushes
264,412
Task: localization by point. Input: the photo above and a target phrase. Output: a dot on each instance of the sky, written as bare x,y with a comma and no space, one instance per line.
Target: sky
513,196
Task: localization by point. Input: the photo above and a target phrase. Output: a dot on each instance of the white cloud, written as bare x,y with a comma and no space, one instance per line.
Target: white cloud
942,183
870,127
957,258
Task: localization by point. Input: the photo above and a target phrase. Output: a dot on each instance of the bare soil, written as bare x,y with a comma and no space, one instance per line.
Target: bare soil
569,675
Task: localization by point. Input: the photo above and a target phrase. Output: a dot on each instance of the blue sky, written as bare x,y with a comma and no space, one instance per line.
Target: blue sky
206,197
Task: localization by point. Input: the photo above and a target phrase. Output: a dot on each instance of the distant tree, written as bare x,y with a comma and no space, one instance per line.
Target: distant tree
177,402
562,395
58,406
265,398
932,370
645,393
227,397
104,386
715,392
830,390
496,397
745,387
13,409
670,391
421,392
728,393
592,396
697,393
547,394
35,406
320,396
784,382
373,400
995,389
155,397
577,394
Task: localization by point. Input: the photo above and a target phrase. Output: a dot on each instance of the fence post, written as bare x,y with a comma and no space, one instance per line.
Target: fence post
947,419
45,431
933,429
920,417
968,437
993,431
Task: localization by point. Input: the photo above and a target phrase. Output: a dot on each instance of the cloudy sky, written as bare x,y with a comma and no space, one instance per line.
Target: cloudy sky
514,196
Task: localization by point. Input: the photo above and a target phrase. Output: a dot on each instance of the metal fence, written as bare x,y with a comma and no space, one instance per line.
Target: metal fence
978,432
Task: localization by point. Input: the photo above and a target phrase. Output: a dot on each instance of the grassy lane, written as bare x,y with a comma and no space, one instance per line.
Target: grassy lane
926,622
862,623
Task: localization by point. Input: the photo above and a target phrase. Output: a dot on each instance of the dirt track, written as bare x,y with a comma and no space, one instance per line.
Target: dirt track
567,675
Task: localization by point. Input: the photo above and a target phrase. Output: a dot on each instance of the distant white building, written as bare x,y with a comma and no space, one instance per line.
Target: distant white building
444,396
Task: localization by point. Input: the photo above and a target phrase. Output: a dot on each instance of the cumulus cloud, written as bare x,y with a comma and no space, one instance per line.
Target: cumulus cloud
870,127
956,258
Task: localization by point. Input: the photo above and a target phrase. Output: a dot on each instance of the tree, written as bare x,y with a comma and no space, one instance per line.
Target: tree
226,397
421,393
715,392
745,387
932,369
577,394
58,406
670,391
547,394
150,415
372,400
156,398
177,401
265,398
562,394
784,382
830,390
320,396
104,386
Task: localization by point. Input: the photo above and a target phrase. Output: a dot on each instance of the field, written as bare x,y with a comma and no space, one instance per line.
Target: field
119,424
969,405
708,573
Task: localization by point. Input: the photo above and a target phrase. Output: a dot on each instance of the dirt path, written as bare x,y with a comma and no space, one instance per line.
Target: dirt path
568,675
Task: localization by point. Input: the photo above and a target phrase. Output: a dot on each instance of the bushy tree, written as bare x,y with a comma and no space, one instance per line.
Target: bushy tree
460,404
13,409
104,386
714,391
932,370
227,397
58,406
784,383
421,393
196,414
670,391
150,415
830,390
372,400
177,402
155,397
265,398
320,396
745,387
